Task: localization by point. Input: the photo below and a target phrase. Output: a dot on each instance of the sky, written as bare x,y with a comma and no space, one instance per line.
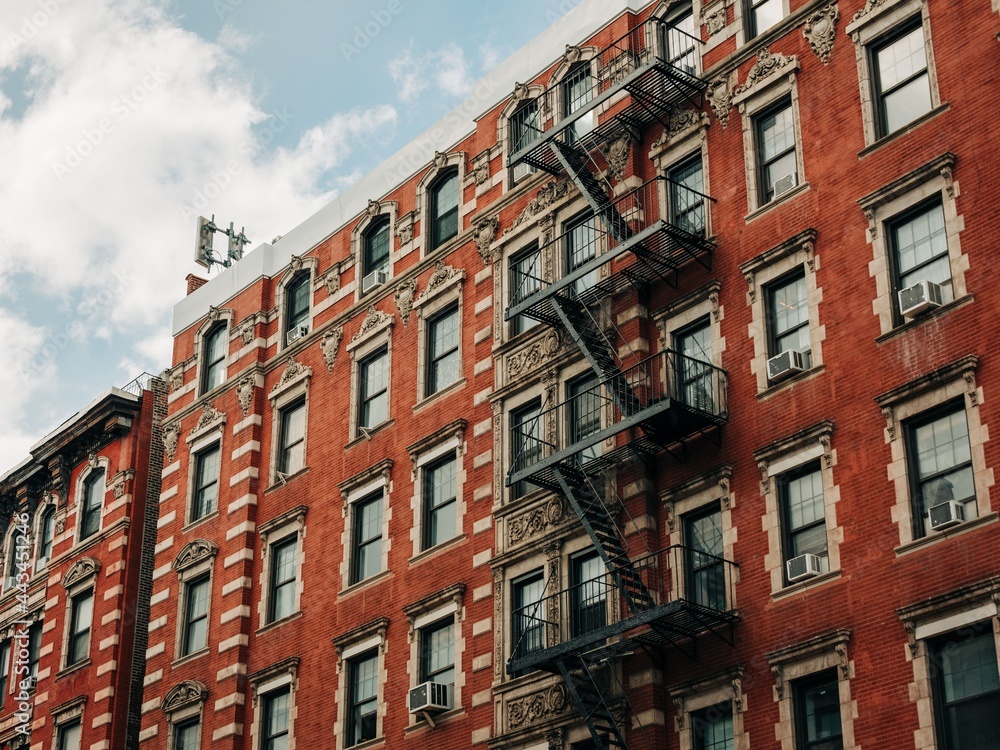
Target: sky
123,120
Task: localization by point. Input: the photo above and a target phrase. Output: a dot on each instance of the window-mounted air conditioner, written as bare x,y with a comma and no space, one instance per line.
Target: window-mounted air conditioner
375,279
294,334
921,297
945,515
785,365
803,567
784,184
431,697
9,582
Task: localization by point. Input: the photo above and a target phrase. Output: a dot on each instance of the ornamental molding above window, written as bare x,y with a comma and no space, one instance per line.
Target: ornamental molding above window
80,571
443,277
211,419
296,515
940,166
69,711
376,627
182,695
715,482
729,682
983,595
767,70
453,430
374,322
380,471
963,368
453,594
193,553
804,241
832,643
286,667
804,445
294,374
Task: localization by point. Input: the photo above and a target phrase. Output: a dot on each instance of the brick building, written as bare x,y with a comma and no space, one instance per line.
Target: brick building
644,406
80,526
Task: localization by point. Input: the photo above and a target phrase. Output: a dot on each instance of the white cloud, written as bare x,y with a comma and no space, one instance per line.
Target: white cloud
132,127
446,68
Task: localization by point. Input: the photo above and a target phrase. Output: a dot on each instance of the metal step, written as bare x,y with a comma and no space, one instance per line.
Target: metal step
591,704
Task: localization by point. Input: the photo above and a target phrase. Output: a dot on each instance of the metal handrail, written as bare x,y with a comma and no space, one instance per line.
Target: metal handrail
138,384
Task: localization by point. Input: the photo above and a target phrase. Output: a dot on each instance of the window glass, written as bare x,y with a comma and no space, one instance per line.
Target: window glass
706,578
196,616
443,363
817,708
903,83
81,617
440,493
525,280
216,345
694,370
367,538
276,720
93,500
4,670
362,721
588,597
374,389
437,653
968,691
763,15
942,460
293,439
585,402
48,527
713,728
525,441
921,249
297,311
444,209
788,310
206,490
186,735
776,148
577,91
804,512
283,564
679,35
70,736
34,649
528,632
581,246
687,206
376,247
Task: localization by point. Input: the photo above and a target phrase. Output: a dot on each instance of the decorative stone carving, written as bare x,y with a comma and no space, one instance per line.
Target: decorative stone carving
184,694
373,319
484,232
533,355
721,99
548,194
193,553
295,263
374,208
521,91
177,379
330,345
293,371
441,275
171,435
820,29
244,393
619,68
404,229
533,708
81,570
714,18
890,423
616,153
118,484
767,64
247,332
824,440
969,376
869,7
548,226
679,712
678,120
765,480
440,160
213,313
481,169
331,279
572,54
843,660
497,619
535,521
60,524
779,681
404,296
209,416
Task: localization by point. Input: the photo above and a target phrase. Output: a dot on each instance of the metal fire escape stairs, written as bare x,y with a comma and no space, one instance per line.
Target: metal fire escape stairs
653,87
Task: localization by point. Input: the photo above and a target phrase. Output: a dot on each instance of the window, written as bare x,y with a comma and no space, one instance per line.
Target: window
443,366
186,735
524,129
93,499
375,253
363,698
444,209
687,202
69,736
712,728
214,360
774,129
281,598
274,719
437,653
525,441
817,712
588,596
440,502
919,248
525,280
196,596
374,402
292,438
706,573
297,304
367,558
81,616
694,370
788,315
967,691
34,648
46,533
762,15
577,91
581,246
901,80
940,464
528,629
803,512
585,403
204,499
4,670
679,37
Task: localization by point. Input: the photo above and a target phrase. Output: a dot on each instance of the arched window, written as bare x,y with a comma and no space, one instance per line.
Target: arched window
93,500
577,91
214,358
46,533
524,128
375,254
296,306
444,208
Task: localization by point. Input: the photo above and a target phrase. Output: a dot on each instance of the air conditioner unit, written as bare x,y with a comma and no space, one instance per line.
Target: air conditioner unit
784,184
945,515
522,170
296,333
803,567
921,297
375,279
785,365
431,697
9,582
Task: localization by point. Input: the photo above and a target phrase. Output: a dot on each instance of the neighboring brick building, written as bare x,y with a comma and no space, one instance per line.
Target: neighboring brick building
80,525
527,413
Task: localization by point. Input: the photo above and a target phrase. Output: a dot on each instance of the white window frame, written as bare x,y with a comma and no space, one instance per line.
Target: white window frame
80,578
67,713
288,524
300,266
431,610
521,94
449,440
94,465
377,211
692,697
195,560
371,635
217,317
444,289
46,504
442,162
267,680
183,702
740,22
293,387
378,478
375,333
201,443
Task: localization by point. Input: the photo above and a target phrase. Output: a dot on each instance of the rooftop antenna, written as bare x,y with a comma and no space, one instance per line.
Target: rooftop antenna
204,253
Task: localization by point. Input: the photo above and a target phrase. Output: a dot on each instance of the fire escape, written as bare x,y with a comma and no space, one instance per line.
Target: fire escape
639,406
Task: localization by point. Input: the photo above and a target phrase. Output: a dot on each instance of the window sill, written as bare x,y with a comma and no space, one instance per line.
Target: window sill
885,139
278,623
797,588
446,391
937,536
66,671
189,657
916,322
804,375
366,744
432,551
382,574
783,198
203,520
277,485
371,432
